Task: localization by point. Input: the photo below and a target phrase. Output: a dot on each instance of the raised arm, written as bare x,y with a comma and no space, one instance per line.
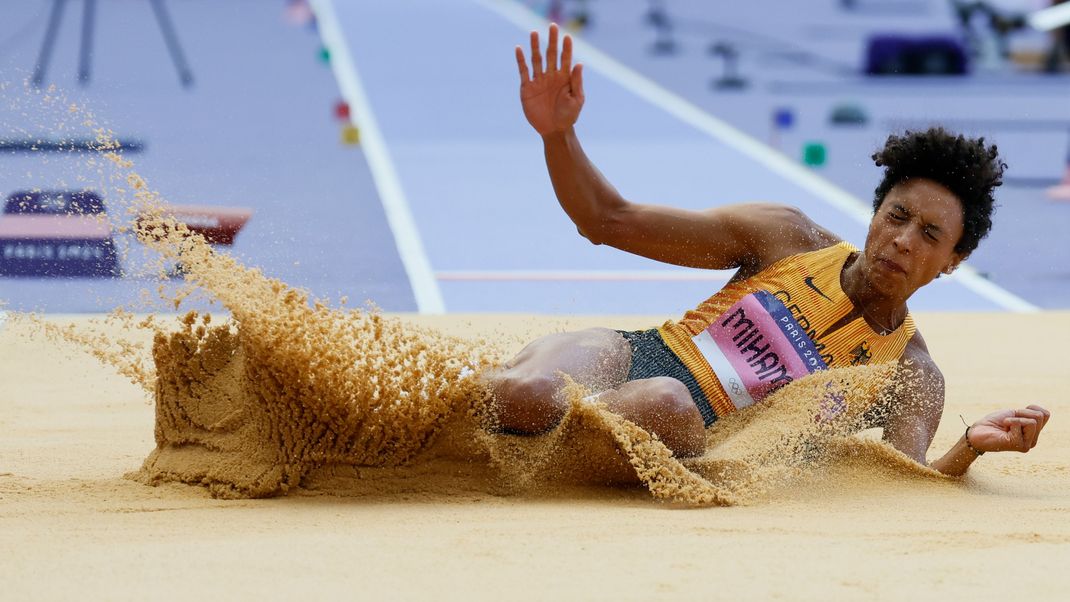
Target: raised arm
748,236
916,402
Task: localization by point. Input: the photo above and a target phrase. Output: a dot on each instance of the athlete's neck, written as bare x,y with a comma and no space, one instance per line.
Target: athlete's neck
882,311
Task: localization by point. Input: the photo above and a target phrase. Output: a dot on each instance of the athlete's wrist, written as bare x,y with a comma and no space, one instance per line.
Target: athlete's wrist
966,437
558,135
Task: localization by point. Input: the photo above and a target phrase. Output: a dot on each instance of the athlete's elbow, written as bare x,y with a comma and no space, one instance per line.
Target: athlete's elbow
608,229
592,235
598,232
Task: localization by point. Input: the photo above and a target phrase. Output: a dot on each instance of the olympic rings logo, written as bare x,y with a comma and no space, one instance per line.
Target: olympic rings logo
737,389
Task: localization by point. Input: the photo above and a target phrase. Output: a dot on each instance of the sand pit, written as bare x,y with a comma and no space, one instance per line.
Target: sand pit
73,524
298,448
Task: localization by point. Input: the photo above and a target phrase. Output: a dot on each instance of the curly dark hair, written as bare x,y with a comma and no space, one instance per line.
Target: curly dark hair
967,167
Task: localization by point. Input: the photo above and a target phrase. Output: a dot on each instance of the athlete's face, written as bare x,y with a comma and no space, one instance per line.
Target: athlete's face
912,237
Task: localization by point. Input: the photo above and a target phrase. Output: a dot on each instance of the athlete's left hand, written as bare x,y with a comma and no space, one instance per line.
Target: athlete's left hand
1009,430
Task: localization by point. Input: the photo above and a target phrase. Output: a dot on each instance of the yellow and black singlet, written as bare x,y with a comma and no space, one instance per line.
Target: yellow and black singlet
758,334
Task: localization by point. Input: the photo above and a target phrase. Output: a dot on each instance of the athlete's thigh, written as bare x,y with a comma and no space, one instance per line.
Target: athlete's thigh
598,358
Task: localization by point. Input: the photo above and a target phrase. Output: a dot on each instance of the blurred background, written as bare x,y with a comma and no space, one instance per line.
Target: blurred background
376,149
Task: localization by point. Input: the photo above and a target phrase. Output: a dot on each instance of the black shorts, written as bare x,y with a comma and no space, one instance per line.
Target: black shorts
652,357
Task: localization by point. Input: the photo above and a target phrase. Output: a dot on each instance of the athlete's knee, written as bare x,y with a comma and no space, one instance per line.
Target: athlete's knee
664,406
676,399
526,403
658,396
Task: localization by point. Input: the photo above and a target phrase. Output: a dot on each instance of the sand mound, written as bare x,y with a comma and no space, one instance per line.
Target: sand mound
249,415
249,419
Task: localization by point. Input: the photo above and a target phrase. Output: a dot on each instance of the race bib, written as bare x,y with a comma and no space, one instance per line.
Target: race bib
756,347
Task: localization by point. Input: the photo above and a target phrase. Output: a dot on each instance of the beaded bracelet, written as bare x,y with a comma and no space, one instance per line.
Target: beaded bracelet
969,445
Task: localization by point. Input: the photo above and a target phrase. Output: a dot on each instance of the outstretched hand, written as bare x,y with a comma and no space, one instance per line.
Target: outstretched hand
1009,430
552,96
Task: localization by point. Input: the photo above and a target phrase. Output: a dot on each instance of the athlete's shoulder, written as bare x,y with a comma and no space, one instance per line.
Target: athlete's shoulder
787,231
808,235
916,361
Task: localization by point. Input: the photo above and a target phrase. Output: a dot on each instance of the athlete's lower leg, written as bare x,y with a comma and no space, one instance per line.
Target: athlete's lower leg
528,393
664,407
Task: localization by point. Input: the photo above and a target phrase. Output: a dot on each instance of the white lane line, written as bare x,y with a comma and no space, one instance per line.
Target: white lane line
1050,18
583,276
687,112
395,204
969,277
